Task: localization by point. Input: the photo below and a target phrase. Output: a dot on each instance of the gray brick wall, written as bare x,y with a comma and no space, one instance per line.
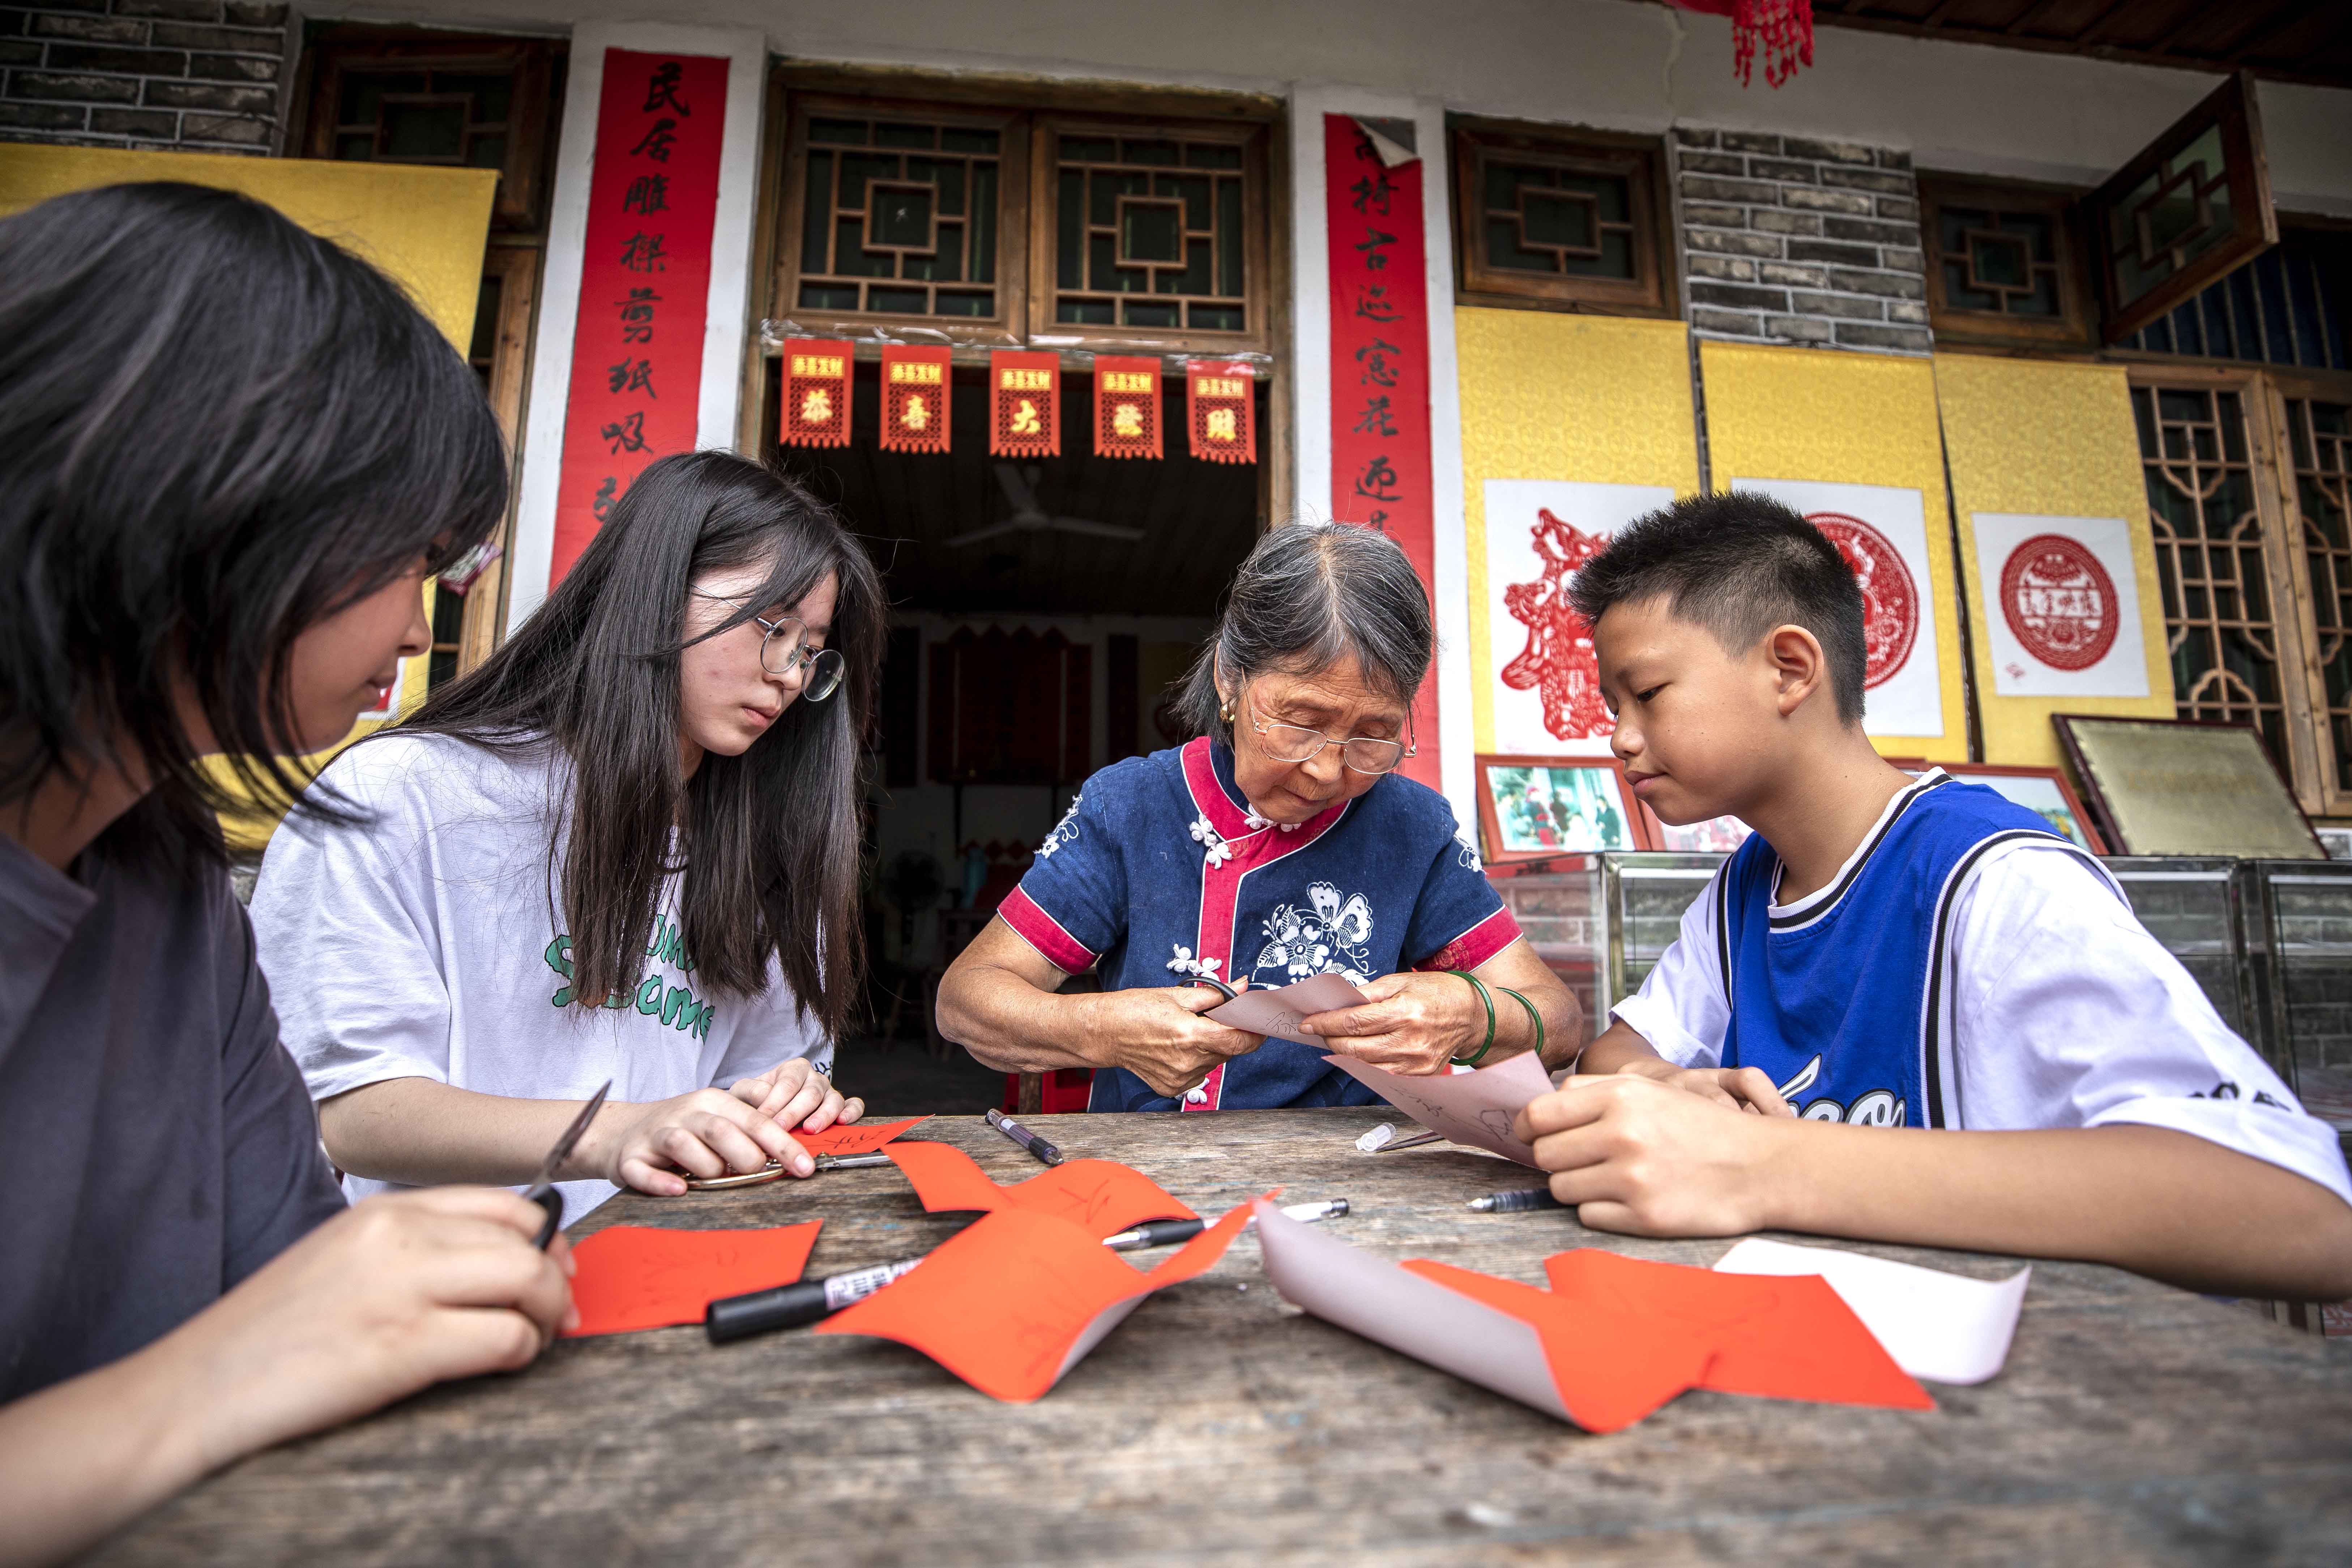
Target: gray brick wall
1787,240
200,74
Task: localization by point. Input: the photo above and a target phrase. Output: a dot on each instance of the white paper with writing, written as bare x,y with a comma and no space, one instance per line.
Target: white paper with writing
1472,1108
1938,1326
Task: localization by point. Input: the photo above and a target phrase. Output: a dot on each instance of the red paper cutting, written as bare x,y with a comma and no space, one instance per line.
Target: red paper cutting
916,384
1025,404
1100,1198
1015,1299
637,1277
1624,1335
854,1137
817,380
1126,406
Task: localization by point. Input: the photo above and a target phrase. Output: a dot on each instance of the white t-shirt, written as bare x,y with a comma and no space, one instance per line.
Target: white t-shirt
2064,1013
424,943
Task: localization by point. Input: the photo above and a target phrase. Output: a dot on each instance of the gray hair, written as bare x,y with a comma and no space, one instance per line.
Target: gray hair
1310,596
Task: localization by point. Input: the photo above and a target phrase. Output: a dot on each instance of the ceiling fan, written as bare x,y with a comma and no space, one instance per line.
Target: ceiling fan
1019,486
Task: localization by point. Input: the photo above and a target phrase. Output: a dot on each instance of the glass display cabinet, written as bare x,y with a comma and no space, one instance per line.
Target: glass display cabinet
2299,939
2195,907
1601,920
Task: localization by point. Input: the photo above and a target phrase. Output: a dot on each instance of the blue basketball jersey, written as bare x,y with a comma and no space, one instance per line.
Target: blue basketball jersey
1843,1002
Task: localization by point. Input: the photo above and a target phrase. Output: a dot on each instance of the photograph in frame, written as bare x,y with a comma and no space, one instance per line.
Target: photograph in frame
1531,806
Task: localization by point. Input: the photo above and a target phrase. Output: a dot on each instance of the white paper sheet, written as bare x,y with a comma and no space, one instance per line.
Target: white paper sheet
1938,1326
1391,1306
1278,1013
1473,1107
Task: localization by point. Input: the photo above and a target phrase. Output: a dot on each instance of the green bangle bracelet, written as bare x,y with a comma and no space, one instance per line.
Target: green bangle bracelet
1487,997
1533,1017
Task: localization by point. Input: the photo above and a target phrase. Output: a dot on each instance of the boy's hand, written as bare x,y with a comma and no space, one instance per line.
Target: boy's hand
1636,1156
795,1094
1737,1088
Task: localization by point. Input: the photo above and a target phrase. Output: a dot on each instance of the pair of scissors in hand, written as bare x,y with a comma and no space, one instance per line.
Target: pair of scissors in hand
541,1190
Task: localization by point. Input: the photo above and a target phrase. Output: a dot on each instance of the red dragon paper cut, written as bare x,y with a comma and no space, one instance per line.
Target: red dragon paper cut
1558,659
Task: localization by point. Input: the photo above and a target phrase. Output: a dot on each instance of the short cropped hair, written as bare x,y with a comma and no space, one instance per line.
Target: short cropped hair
1738,565
1310,595
217,429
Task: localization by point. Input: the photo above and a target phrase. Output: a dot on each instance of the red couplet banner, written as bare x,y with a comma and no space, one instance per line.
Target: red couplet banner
645,283
1380,366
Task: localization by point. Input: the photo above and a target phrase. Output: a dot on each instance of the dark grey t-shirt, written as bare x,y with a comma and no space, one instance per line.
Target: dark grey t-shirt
156,1143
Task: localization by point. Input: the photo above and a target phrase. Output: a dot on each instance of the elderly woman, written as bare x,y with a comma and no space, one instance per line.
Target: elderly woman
1276,847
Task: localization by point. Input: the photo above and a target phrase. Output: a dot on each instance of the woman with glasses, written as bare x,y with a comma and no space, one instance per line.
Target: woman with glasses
1279,846
623,848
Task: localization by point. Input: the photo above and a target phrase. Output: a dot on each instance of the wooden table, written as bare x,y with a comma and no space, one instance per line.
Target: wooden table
2135,1423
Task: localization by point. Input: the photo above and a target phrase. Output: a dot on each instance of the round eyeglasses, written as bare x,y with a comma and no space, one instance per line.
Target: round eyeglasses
785,649
1359,754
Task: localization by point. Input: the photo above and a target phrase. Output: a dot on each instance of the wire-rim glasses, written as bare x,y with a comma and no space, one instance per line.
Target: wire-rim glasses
1297,744
785,648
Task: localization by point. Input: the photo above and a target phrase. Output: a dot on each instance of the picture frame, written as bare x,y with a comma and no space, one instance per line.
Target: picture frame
1578,803
2046,792
2186,786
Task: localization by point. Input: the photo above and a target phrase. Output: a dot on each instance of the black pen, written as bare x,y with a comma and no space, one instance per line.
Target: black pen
1516,1201
1022,1136
807,1302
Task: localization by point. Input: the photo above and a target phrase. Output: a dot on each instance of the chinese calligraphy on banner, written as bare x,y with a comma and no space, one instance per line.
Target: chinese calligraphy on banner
1380,365
914,384
1126,406
817,373
1024,394
1220,409
645,283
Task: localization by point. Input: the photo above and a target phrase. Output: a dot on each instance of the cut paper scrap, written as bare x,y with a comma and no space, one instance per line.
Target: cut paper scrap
1942,1327
638,1276
1015,1299
1472,1108
1613,1338
1279,1013
1100,1198
855,1138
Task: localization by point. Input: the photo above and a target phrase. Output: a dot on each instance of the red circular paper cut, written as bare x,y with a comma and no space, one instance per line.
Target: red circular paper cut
2059,601
1890,600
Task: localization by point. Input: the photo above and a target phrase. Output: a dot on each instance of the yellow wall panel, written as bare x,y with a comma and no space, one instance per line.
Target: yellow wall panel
424,228
2033,436
1546,395
1819,419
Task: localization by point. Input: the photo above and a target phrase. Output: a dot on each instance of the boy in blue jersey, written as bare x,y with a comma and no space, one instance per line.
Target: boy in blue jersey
1954,1028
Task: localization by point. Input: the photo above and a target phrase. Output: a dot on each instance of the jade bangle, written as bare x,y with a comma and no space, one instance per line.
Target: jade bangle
1487,997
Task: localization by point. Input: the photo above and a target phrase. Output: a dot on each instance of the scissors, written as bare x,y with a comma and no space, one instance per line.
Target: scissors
542,1191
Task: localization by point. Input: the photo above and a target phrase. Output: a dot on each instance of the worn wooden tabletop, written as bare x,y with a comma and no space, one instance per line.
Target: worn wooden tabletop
2134,1423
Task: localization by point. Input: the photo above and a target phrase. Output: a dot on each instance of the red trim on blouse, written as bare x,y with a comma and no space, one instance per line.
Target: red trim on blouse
1043,932
1476,946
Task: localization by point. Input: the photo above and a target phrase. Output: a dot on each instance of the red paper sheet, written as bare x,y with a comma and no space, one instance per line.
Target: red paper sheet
1016,1298
1101,1197
637,1277
856,1138
1624,1335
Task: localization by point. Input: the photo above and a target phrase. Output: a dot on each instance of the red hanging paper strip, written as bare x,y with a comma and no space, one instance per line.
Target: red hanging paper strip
817,374
1126,406
1785,26
1025,404
915,384
1221,409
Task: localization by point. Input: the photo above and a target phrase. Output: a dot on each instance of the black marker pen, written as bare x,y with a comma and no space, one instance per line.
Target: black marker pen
1022,1136
1516,1201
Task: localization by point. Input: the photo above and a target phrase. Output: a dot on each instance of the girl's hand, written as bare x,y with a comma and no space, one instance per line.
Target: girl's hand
1156,1032
1412,1024
707,1133
795,1094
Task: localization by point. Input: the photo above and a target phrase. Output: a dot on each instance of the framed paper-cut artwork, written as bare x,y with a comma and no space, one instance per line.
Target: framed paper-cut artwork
1529,806
2178,786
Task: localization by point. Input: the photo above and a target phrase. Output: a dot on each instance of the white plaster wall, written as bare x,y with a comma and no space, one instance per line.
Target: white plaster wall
1633,66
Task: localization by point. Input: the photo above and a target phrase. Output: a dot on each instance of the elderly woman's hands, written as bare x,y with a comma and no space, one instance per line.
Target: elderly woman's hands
1413,1024
1157,1034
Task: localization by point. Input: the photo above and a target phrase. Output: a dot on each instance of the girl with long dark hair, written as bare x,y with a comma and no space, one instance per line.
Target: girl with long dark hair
624,848
213,544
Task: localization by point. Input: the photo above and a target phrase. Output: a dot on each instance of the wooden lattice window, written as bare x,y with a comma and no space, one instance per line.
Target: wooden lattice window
2187,210
1540,219
1153,229
904,214
2319,446
2002,264
388,96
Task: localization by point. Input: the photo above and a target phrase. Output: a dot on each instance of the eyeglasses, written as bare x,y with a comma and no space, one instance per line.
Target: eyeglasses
1359,754
785,649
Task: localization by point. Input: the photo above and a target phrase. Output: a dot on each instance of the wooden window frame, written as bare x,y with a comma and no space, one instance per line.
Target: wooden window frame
1655,290
1257,209
520,205
516,268
2076,327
